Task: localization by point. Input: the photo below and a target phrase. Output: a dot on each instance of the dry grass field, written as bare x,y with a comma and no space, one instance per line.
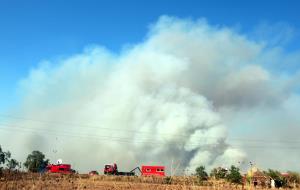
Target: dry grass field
64,182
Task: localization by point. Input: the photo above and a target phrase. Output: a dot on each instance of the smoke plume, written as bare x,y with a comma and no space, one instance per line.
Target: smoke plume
171,99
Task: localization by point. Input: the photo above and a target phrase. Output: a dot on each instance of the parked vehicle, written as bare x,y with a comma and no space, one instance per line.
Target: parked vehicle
59,168
112,169
93,172
153,170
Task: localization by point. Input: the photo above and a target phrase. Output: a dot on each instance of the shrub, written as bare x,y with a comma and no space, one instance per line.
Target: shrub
280,181
294,177
234,175
36,162
201,173
5,158
219,173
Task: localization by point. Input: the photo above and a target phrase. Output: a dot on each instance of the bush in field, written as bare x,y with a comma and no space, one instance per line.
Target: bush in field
294,177
219,173
280,181
168,180
5,158
234,175
201,173
36,161
274,174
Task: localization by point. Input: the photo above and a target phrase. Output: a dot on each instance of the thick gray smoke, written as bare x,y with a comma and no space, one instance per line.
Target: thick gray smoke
170,99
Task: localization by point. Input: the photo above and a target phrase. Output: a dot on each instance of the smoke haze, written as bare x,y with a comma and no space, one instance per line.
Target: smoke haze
173,98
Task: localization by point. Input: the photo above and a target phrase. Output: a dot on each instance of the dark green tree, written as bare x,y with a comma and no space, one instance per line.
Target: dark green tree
2,156
219,173
5,158
201,173
2,159
234,175
12,164
36,161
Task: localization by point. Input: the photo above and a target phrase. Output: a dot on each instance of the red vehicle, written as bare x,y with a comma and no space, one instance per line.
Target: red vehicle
93,172
153,170
146,170
59,168
113,170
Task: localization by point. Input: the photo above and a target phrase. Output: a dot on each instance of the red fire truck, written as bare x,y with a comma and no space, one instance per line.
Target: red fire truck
59,168
112,169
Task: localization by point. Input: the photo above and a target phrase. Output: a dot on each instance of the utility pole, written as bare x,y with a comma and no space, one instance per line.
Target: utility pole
251,175
172,167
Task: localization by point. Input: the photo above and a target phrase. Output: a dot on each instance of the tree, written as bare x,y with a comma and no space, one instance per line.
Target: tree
219,173
5,158
2,159
234,175
36,161
2,156
12,164
201,173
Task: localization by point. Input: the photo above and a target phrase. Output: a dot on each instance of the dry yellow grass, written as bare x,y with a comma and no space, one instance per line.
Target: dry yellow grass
57,181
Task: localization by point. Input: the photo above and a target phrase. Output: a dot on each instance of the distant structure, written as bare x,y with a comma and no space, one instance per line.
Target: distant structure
256,178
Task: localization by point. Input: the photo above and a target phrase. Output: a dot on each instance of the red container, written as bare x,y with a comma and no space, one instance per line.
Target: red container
153,170
59,168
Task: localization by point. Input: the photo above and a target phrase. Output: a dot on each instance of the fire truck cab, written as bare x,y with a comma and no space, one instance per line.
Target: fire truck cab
111,169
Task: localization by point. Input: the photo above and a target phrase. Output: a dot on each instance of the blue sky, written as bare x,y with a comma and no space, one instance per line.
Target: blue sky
32,31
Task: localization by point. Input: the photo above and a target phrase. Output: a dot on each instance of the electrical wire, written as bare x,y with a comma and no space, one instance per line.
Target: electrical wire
107,139
87,126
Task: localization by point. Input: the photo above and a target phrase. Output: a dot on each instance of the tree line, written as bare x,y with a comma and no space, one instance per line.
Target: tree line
35,162
233,175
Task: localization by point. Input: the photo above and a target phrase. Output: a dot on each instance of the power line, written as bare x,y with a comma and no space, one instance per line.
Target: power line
89,136
150,139
83,125
87,126
126,140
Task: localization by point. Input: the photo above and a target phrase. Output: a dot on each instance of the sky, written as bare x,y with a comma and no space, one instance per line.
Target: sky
63,62
32,31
